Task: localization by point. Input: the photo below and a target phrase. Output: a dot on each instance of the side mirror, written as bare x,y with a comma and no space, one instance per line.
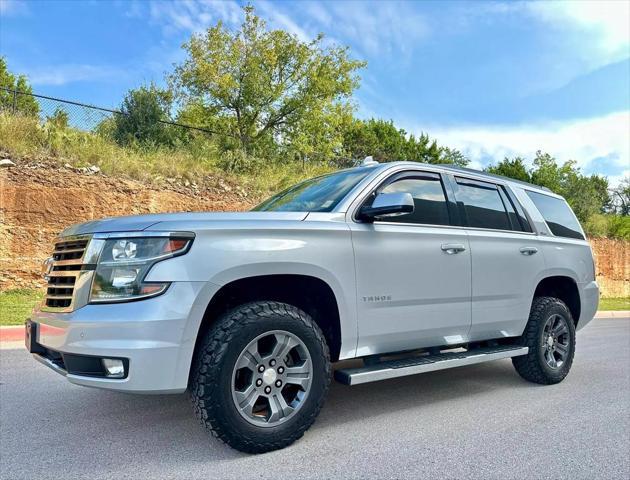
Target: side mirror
388,205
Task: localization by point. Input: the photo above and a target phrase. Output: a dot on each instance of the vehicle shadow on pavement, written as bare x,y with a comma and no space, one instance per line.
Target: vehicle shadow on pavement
416,392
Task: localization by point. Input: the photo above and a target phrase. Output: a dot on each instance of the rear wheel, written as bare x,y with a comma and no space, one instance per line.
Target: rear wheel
261,376
550,336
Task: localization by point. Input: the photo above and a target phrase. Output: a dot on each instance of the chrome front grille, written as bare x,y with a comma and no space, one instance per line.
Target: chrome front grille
63,271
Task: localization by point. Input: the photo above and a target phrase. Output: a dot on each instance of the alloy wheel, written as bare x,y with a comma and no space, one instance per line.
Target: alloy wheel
556,340
271,378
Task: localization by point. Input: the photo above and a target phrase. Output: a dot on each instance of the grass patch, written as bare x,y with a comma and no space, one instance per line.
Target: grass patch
16,305
25,137
614,304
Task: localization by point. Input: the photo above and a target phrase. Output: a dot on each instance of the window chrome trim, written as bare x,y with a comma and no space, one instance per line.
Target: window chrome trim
377,180
455,227
389,172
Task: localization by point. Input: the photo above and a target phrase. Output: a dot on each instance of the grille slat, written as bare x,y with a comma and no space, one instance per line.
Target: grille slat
67,260
64,268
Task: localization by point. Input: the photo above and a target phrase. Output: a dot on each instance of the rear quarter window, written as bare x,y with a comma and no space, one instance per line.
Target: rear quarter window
558,215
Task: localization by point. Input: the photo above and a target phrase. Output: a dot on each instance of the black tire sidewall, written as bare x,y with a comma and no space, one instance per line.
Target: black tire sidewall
555,308
230,416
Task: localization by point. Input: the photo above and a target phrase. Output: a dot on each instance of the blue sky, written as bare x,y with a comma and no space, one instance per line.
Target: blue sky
489,78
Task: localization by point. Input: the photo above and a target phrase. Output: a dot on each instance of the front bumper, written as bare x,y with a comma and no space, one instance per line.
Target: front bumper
156,337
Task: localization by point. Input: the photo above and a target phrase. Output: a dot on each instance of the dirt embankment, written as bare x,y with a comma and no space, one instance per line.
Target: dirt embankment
38,200
612,259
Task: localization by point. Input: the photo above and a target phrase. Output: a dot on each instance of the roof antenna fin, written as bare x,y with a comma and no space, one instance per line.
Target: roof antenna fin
368,162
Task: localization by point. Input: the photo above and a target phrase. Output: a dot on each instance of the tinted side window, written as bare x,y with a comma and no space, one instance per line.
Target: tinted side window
558,215
483,205
428,197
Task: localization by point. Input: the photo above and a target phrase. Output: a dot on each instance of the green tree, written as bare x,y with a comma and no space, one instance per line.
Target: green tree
587,195
143,109
385,142
621,197
319,136
263,83
453,156
513,168
15,92
547,173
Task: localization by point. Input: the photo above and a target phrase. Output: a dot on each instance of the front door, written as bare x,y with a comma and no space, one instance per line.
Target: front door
413,272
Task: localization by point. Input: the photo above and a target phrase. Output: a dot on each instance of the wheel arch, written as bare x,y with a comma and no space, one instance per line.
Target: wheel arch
564,288
309,293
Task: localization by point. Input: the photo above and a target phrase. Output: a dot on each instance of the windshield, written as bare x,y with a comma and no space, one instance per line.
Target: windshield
320,194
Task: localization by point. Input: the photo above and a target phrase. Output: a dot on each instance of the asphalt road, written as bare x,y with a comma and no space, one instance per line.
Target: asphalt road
481,421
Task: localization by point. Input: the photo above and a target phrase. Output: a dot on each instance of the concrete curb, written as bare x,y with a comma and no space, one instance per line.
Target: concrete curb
16,333
613,314
12,334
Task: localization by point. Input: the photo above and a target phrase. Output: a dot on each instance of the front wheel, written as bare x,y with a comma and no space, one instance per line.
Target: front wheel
261,376
550,336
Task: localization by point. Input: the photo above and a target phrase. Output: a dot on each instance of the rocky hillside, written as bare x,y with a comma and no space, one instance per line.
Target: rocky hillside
39,199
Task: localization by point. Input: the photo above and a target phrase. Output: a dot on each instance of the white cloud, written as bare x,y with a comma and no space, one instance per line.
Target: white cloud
71,73
379,27
370,27
282,20
194,16
608,20
13,7
579,140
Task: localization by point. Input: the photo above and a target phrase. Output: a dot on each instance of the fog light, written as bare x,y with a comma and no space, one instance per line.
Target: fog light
114,368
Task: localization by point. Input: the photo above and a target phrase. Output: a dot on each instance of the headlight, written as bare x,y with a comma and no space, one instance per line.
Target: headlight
125,262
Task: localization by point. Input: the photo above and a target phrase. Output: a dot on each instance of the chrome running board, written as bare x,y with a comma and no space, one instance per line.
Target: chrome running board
425,363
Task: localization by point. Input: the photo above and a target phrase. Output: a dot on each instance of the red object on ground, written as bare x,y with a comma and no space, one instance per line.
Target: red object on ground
12,334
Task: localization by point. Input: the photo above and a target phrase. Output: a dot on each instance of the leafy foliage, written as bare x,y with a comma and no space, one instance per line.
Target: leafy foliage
143,110
385,143
513,168
620,201
263,87
59,118
24,104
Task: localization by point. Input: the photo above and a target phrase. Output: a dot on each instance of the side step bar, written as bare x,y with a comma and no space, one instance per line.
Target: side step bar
425,363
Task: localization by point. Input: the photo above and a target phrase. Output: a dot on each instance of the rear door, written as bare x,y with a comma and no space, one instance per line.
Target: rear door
506,260
412,290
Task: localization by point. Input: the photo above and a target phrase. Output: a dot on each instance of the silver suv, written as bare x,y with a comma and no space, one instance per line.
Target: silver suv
408,268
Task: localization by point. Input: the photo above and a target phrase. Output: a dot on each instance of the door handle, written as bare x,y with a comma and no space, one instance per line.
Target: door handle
452,248
528,250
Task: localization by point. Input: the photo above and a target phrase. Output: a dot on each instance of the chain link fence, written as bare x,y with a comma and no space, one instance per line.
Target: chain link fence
78,115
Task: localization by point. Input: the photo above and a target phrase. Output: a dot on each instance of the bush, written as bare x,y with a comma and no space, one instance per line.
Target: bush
143,111
608,225
619,226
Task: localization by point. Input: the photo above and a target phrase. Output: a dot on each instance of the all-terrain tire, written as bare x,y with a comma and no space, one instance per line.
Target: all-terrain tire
212,375
534,367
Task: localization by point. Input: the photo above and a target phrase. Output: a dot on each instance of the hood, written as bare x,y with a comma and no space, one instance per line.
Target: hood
136,223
